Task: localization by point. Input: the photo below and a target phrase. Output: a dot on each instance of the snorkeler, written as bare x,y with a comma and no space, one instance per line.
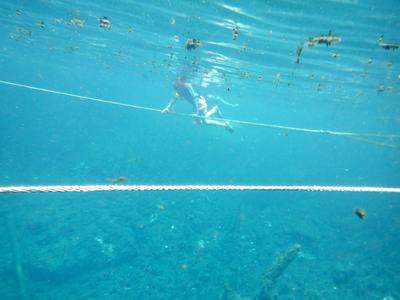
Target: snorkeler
184,90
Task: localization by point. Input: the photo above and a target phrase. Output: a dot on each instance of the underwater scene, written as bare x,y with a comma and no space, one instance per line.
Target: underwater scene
203,92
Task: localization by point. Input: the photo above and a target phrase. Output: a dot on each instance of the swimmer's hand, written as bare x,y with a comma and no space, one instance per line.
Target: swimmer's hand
166,110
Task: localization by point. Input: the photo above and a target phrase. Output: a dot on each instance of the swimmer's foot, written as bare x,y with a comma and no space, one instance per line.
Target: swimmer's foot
229,127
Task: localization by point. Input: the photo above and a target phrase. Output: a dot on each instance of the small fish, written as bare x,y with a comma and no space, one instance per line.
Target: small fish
360,213
118,180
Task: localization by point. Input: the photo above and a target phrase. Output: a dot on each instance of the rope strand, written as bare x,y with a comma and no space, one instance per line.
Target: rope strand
249,123
107,188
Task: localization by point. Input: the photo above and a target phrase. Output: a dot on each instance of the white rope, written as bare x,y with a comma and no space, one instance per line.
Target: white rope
289,128
107,188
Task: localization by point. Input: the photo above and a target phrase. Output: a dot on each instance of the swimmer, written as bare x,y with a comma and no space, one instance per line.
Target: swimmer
202,115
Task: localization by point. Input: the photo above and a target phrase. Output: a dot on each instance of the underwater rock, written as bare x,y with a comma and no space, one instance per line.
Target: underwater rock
268,289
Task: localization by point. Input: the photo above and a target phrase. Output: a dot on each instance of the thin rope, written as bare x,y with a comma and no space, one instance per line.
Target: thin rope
258,124
78,96
107,188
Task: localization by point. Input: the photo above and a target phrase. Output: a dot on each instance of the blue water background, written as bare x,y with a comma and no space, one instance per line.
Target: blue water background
188,245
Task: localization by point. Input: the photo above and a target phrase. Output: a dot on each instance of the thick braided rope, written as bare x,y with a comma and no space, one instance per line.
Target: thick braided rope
107,188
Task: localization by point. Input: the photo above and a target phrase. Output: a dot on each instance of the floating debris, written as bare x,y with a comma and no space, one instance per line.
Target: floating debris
235,31
387,46
360,213
22,33
244,74
105,23
72,49
277,80
18,12
192,44
370,61
172,21
118,180
130,29
323,39
76,22
380,88
40,24
195,61
299,50
320,39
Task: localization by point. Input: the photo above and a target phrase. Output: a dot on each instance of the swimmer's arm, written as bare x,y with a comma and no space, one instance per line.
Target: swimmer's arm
170,105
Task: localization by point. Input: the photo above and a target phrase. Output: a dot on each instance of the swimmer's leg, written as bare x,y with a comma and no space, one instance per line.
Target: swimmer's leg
213,111
226,125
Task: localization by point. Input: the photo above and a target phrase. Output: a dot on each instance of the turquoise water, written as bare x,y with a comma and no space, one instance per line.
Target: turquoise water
193,245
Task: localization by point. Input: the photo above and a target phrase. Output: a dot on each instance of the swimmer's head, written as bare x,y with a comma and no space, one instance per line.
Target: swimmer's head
182,79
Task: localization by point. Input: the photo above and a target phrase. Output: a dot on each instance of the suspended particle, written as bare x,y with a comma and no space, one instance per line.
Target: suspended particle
380,88
40,24
118,180
235,31
335,55
76,22
277,79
